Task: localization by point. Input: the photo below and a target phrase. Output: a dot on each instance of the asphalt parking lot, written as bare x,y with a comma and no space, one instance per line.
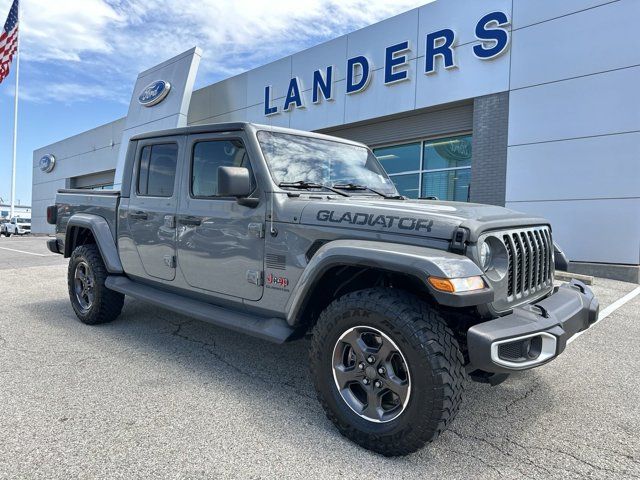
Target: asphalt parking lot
155,394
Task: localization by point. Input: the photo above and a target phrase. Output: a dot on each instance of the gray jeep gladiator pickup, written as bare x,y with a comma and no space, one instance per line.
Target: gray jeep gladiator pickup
280,233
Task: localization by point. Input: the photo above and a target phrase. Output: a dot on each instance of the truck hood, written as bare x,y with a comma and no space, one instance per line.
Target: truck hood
426,218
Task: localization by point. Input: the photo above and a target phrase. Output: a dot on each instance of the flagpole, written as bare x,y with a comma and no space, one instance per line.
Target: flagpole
15,123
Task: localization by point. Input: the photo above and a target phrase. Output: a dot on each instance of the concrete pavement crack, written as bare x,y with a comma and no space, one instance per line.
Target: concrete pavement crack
481,460
522,398
503,452
571,455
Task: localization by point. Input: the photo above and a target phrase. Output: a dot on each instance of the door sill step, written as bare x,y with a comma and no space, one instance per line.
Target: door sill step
276,330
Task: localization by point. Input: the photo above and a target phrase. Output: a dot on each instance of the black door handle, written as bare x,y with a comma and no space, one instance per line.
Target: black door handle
138,215
190,221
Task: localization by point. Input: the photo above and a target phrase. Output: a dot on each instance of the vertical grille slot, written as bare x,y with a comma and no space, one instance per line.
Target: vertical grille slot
529,257
534,259
519,263
549,252
511,274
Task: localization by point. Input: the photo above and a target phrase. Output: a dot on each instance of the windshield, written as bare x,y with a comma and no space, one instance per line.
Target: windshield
24,220
295,158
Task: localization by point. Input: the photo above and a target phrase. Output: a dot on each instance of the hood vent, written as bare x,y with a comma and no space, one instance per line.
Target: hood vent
313,249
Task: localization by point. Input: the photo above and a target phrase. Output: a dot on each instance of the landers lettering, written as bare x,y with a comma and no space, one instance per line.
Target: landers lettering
372,220
493,38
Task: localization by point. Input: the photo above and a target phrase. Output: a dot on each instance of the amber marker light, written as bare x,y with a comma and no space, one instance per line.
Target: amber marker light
457,285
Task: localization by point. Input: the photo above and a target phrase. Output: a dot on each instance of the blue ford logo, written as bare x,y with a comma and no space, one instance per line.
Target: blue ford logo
47,163
154,93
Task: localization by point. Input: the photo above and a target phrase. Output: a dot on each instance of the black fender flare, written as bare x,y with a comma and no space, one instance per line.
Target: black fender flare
420,262
104,239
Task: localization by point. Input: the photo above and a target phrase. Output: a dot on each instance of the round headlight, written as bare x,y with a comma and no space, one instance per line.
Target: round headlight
485,255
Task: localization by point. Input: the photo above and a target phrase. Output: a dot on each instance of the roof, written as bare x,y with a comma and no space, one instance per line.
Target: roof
234,126
209,128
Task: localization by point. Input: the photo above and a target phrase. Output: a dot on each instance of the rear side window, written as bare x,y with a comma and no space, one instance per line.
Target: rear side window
157,170
207,157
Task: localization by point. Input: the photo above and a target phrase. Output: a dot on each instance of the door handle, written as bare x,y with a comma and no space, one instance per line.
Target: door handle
138,215
190,221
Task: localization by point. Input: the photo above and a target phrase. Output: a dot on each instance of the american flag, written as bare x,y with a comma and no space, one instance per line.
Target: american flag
9,41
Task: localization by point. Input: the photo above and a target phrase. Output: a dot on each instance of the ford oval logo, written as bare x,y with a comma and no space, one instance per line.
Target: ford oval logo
47,163
154,93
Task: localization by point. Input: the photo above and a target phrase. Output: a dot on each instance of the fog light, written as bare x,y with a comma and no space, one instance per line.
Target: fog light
524,352
532,347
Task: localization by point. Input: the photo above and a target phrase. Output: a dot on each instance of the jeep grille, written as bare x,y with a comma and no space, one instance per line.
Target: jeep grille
530,261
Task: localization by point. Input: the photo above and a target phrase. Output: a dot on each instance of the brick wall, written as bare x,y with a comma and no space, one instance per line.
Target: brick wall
489,163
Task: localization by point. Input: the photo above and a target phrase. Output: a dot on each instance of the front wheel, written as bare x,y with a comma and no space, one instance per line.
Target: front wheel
387,370
92,302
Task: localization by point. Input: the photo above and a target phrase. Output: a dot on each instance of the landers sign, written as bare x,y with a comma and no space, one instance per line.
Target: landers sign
491,31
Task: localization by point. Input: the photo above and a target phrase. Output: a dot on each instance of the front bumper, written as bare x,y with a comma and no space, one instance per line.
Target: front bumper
535,334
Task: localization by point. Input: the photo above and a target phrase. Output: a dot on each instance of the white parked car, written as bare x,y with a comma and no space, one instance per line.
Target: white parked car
16,226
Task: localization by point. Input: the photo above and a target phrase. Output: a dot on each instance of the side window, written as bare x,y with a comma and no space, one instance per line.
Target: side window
207,157
157,170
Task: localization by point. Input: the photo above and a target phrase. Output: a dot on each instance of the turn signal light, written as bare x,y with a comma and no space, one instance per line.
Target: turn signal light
442,284
453,285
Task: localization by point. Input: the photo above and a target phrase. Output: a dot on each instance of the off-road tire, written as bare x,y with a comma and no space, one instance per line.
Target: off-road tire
107,304
432,354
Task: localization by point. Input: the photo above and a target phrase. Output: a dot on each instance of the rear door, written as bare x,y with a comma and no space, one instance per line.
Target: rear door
220,243
153,203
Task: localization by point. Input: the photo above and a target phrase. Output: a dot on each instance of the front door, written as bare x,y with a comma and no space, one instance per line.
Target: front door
220,242
153,203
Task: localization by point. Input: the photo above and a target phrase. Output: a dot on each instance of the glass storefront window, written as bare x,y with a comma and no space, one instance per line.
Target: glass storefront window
399,158
407,185
453,152
447,184
444,167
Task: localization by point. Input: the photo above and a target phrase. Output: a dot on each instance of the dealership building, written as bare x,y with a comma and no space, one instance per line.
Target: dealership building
533,105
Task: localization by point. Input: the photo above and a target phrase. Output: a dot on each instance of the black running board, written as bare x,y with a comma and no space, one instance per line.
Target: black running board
276,330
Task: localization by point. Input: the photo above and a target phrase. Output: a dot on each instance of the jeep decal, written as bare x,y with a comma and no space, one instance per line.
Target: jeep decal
385,221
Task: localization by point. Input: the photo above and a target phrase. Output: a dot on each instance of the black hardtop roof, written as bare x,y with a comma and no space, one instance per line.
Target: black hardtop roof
209,128
235,126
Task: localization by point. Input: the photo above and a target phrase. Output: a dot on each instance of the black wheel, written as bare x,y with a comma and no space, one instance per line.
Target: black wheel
387,370
91,300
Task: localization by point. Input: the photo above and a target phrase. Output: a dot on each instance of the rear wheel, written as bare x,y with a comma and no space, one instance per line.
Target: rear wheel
387,370
92,302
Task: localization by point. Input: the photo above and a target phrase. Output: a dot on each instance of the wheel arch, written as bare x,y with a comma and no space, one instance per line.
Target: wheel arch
85,229
342,266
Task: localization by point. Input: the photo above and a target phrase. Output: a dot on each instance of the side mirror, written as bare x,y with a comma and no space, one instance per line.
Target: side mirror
234,182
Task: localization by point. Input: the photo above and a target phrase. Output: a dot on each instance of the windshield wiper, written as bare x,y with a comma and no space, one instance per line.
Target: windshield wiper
353,186
306,185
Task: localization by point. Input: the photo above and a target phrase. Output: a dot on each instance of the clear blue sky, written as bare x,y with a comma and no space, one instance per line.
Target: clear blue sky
80,58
